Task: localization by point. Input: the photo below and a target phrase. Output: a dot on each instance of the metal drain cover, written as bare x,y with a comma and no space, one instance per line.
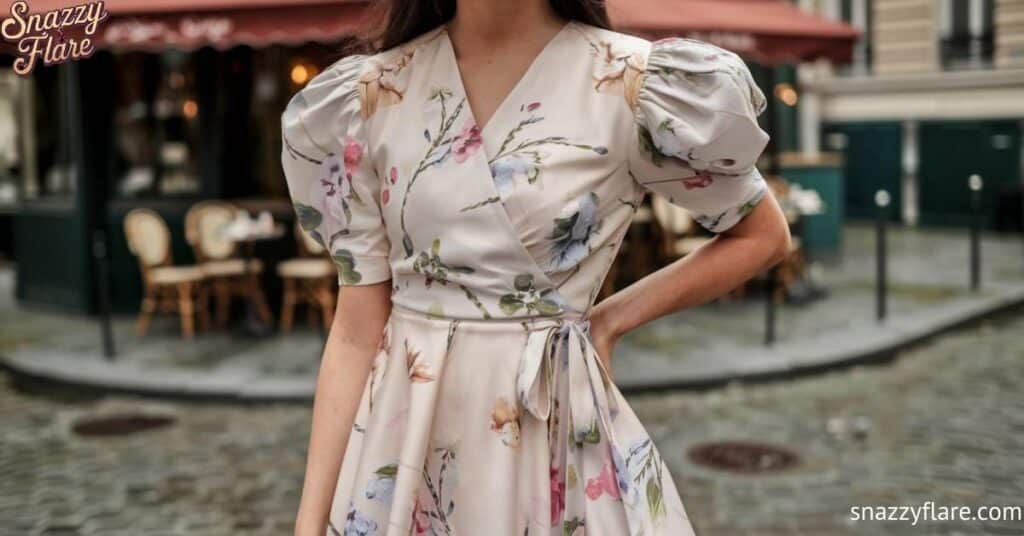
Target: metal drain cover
745,457
121,424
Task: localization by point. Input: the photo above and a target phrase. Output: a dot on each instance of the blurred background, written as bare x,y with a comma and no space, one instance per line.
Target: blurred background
161,320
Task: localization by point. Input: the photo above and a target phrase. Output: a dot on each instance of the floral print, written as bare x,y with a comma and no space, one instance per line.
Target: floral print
505,421
495,241
570,239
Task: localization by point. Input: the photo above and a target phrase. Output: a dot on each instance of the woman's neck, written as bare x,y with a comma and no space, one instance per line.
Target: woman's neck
487,23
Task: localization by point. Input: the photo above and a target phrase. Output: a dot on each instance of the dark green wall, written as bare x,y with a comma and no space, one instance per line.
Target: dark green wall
951,151
872,161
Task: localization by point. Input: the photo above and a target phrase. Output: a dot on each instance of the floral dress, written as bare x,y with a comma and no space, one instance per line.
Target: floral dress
487,410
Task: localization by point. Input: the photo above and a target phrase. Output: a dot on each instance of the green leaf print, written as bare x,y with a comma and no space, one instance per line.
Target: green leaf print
523,282
591,436
346,264
510,304
647,145
309,217
433,269
526,295
655,504
570,526
387,471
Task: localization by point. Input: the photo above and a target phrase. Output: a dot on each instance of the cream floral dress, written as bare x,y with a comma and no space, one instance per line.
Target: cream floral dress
487,411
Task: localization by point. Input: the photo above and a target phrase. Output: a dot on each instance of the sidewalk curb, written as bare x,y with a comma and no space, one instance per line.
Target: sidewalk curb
872,343
879,343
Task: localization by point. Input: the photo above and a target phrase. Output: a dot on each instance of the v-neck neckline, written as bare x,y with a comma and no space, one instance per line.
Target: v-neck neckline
524,78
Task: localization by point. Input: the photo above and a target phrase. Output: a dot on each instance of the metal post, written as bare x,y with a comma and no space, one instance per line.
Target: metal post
975,184
882,200
99,253
769,308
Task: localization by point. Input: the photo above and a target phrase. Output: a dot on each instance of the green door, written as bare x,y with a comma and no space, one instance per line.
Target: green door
950,152
872,154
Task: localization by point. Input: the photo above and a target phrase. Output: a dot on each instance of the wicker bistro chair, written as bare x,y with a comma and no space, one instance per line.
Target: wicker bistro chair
166,287
679,230
309,279
228,278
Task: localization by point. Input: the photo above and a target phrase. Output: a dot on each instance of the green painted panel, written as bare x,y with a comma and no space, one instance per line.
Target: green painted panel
872,154
52,257
950,151
821,234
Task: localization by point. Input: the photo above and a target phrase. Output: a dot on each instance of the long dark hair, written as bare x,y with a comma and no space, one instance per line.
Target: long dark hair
394,22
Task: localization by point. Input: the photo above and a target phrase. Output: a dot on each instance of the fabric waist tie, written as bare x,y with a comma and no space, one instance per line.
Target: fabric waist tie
565,346
565,343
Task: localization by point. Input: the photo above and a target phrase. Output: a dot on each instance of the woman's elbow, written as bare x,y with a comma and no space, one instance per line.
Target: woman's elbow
780,244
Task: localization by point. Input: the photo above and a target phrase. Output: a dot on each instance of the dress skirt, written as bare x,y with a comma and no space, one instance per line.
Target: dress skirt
498,427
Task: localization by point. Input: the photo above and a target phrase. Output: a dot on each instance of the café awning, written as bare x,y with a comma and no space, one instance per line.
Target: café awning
766,31
190,24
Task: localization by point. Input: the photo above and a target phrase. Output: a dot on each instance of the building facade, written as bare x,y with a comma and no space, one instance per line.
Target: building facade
935,94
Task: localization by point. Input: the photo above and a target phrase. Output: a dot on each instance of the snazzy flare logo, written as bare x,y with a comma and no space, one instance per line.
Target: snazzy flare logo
47,36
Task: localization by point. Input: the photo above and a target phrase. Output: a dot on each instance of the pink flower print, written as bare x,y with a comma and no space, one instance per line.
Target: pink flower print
700,180
604,483
532,106
466,143
394,175
420,518
557,496
385,196
353,156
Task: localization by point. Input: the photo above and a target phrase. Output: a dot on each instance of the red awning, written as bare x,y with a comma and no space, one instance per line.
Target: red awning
190,24
768,31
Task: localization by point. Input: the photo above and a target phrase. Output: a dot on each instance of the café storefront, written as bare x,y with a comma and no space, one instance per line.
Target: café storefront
182,103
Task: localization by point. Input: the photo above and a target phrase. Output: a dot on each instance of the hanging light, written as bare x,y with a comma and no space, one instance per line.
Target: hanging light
302,72
190,108
787,94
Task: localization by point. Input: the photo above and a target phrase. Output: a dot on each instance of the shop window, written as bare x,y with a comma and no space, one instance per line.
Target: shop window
156,126
966,33
35,158
859,14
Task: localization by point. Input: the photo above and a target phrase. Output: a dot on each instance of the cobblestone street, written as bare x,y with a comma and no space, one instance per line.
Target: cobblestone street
943,423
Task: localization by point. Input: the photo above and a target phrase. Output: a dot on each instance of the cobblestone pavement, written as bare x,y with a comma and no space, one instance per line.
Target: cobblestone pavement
943,423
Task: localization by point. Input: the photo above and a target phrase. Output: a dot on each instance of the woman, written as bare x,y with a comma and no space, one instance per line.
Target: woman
473,182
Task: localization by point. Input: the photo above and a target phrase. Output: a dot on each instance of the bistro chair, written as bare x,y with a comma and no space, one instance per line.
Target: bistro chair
308,279
680,234
166,287
205,226
791,269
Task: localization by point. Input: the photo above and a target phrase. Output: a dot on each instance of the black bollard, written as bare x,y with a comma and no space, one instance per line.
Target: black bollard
769,308
99,253
975,184
882,200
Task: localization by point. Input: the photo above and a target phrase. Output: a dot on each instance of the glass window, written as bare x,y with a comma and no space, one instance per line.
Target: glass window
858,13
966,33
156,126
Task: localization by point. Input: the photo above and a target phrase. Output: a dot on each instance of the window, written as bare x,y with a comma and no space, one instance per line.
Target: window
856,13
156,126
966,33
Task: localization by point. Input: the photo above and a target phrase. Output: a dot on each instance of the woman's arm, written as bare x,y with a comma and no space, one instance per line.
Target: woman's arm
355,336
757,242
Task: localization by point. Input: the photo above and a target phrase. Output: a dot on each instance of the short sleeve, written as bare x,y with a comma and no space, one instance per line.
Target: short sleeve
697,139
331,179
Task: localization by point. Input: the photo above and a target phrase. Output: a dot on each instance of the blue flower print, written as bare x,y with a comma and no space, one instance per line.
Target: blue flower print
572,231
357,524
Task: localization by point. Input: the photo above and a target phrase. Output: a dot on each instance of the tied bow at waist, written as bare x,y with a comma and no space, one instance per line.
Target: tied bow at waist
565,347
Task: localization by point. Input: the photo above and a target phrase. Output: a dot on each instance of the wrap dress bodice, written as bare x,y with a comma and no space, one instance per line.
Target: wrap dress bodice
496,241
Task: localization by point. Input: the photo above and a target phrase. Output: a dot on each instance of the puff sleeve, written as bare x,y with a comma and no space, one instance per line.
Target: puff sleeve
331,179
697,138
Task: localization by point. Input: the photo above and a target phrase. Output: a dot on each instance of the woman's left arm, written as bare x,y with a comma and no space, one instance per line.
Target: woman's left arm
759,241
